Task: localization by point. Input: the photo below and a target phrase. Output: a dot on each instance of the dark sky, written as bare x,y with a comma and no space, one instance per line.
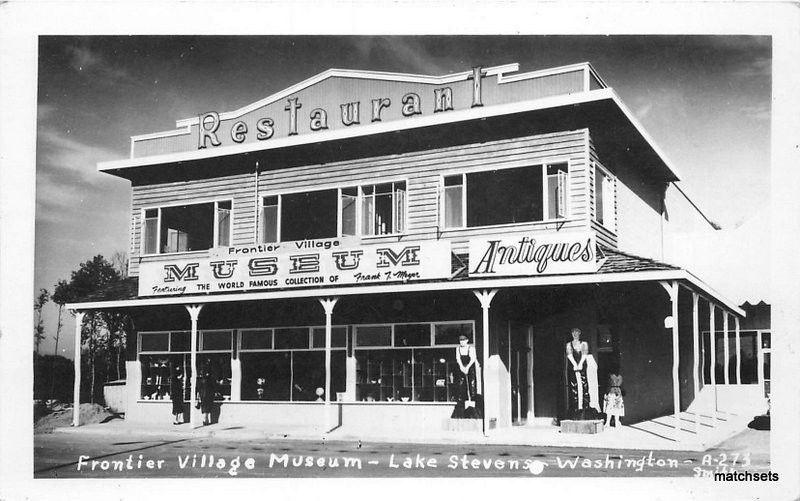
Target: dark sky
704,100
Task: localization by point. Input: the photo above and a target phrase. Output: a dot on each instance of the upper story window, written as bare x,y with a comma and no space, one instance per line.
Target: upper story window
184,228
604,199
517,195
368,210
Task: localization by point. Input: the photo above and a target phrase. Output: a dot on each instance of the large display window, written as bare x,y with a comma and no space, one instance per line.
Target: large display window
410,362
287,364
160,354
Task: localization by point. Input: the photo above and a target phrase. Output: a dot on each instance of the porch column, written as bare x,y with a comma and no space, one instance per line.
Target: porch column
672,289
76,391
485,298
712,327
696,355
194,314
738,352
725,348
327,305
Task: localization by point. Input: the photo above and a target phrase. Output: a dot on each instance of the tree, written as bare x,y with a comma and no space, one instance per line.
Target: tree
38,329
91,277
63,293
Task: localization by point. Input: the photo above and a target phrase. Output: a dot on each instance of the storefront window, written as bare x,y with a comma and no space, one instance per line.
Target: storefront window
291,372
160,355
411,369
184,228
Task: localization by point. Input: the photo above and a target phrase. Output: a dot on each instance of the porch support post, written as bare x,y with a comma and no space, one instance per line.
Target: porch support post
696,361
328,305
76,390
672,289
712,327
485,298
194,314
738,352
726,348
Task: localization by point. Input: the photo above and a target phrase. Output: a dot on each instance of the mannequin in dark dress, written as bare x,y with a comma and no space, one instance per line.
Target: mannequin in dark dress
176,394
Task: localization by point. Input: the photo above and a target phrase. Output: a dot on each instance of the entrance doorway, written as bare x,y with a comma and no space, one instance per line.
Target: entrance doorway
520,363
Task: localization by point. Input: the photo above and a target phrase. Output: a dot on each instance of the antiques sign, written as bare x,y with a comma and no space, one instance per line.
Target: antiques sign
308,263
533,254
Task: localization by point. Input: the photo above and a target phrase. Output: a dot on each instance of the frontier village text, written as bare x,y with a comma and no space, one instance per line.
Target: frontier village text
235,465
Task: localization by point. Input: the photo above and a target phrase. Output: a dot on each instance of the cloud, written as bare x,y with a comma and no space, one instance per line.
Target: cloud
57,150
92,63
760,66
757,112
643,111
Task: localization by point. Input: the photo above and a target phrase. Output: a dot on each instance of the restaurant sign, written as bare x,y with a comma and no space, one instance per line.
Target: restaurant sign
532,254
309,263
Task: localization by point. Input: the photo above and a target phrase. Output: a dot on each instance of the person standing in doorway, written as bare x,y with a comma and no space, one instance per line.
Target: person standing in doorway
577,352
207,391
467,360
176,394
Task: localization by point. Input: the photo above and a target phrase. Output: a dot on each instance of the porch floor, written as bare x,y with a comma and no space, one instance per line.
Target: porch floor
656,434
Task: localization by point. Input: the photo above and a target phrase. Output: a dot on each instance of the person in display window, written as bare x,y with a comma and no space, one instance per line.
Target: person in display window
467,359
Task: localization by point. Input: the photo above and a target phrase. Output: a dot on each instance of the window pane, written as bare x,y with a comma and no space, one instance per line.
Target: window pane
187,227
412,335
504,196
556,188
308,375
765,339
435,375
266,376
367,215
223,224
383,375
256,340
180,341
291,338
400,207
157,371
380,335
269,223
449,333
456,180
348,214
154,342
151,235
598,195
749,356
217,366
608,203
216,340
453,214
338,337
309,215
383,213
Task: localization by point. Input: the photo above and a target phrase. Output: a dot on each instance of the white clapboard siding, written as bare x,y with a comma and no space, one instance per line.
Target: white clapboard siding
422,172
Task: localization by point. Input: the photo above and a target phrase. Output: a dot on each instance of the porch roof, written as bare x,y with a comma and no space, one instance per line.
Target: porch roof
616,266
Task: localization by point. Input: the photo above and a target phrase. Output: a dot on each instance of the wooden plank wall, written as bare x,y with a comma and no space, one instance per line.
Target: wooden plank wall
422,172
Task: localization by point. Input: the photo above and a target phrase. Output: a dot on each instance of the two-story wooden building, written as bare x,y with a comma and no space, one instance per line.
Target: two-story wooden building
324,248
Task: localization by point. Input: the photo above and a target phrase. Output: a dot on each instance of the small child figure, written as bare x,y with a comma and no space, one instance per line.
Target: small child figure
613,404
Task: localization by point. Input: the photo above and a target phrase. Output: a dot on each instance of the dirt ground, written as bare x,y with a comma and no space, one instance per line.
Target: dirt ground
61,416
